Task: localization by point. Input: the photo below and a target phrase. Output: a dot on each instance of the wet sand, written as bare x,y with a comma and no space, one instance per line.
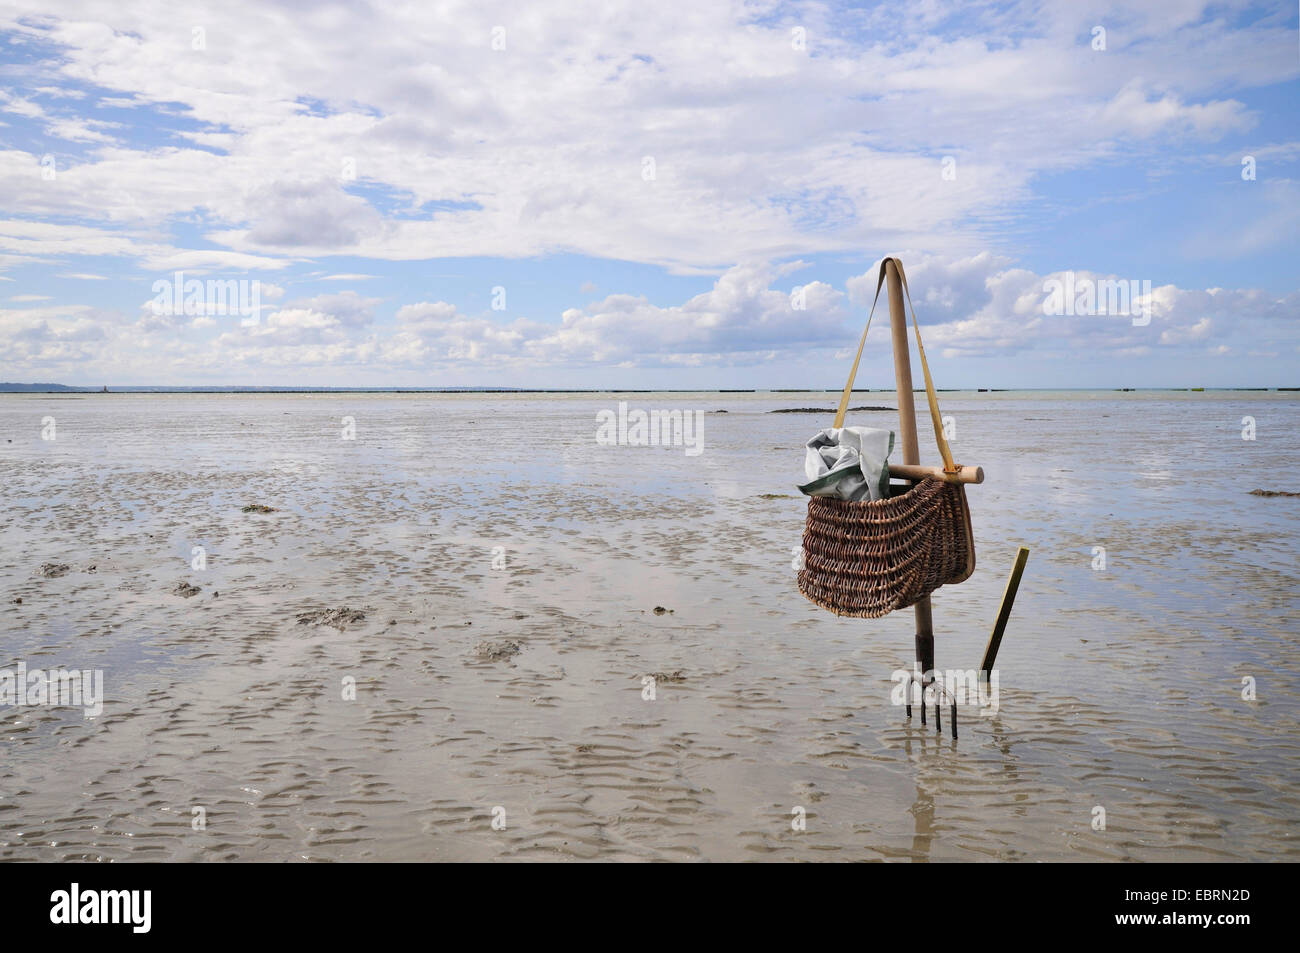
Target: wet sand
520,687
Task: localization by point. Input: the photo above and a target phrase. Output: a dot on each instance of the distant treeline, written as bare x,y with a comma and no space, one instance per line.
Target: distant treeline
7,387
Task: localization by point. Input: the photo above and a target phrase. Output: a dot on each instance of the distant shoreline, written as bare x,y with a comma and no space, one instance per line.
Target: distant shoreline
15,388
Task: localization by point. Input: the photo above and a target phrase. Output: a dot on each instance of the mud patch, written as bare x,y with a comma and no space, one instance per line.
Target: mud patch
823,410
339,618
661,677
497,651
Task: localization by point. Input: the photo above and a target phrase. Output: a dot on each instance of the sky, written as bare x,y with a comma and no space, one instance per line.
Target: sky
647,195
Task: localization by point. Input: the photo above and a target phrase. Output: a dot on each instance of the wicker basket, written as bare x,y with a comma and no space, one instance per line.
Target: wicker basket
867,558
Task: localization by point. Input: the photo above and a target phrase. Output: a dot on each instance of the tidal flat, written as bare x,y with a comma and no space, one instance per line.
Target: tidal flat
432,640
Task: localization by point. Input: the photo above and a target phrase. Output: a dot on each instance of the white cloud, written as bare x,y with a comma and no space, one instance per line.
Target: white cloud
760,151
973,306
19,106
1142,113
81,130
982,306
741,320
52,336
685,135
315,215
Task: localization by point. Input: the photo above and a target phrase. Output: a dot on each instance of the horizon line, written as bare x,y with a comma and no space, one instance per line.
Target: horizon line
8,387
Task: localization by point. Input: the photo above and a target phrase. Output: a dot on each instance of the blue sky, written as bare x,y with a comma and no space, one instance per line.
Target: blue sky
647,186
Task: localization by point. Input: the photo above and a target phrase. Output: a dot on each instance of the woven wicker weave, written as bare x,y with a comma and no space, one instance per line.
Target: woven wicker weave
866,559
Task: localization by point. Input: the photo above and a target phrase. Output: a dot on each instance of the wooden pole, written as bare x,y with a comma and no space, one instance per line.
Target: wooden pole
966,474
911,451
1004,612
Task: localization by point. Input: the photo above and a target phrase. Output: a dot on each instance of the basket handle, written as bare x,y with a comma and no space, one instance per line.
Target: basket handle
944,450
